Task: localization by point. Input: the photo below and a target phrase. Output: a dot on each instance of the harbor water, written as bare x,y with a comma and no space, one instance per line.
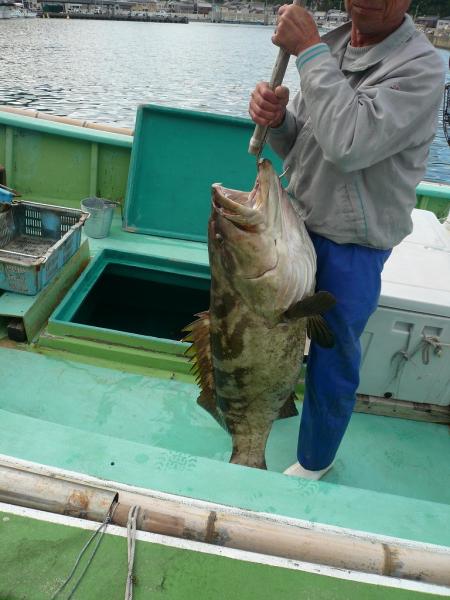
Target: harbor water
101,70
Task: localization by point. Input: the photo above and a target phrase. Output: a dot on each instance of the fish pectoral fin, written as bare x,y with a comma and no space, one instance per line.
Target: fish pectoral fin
288,409
317,330
317,304
311,308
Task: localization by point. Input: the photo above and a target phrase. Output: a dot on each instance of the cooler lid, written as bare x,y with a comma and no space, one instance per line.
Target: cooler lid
416,277
176,156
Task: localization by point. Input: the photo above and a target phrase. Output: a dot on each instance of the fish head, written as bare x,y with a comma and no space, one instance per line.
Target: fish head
245,225
259,246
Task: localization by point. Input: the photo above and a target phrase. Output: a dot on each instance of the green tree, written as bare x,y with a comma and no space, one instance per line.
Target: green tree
440,8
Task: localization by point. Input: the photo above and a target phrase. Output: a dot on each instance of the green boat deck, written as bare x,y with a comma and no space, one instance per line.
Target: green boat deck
143,427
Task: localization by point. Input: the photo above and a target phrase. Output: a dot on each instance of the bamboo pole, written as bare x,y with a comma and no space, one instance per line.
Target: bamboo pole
34,114
57,491
34,490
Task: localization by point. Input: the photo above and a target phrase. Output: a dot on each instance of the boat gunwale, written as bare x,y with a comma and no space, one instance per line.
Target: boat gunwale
389,546
232,553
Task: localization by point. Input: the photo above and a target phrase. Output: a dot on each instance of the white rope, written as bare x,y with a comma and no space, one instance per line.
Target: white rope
432,342
131,542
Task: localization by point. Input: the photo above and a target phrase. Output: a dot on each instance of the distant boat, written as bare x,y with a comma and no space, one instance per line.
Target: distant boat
330,25
15,10
334,19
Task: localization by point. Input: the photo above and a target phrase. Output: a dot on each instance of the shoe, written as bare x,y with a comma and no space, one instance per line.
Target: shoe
296,470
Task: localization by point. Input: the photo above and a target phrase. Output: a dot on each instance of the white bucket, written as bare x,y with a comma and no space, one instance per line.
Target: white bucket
101,213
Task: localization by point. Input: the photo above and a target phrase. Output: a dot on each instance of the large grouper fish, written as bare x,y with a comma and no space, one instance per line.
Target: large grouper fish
248,348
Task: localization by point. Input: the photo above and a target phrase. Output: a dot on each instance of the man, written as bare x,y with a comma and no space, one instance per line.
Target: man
355,144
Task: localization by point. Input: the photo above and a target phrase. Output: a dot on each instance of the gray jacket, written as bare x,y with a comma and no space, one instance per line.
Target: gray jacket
356,143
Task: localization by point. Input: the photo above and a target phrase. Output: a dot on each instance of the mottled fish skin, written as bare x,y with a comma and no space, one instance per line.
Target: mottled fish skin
256,369
262,262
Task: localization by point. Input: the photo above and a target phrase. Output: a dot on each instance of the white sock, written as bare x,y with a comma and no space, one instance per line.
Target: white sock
296,470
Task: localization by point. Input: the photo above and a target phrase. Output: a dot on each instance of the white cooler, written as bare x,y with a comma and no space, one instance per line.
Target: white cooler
406,343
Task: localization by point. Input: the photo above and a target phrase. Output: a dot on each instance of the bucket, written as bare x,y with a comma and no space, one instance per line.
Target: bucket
101,214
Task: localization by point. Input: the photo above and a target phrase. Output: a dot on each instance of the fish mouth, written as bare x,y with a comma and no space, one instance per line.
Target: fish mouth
234,205
244,208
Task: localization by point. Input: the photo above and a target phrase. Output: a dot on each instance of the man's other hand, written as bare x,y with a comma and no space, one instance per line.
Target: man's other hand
267,107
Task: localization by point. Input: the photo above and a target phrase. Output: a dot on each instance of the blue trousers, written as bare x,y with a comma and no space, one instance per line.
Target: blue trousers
352,274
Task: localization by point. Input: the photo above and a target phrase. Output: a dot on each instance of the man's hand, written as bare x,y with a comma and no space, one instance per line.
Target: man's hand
296,30
268,107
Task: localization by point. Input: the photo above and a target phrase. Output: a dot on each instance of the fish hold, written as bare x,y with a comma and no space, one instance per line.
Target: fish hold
247,350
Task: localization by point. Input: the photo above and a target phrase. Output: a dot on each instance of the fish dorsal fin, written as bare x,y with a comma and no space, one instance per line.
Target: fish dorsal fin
311,308
199,353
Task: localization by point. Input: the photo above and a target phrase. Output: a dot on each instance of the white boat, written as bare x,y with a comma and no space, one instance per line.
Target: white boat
329,25
15,10
334,18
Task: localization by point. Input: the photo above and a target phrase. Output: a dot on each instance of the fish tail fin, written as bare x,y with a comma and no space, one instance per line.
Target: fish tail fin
237,459
249,444
199,353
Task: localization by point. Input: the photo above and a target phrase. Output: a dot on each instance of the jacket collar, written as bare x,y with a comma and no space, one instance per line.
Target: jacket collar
340,37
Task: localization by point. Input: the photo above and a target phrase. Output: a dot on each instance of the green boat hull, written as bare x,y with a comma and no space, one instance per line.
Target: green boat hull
123,407
61,164
161,570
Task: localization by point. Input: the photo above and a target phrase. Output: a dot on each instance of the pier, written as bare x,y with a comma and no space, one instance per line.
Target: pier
117,17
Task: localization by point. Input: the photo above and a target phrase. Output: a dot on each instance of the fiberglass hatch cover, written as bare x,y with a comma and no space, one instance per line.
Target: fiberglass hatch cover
177,155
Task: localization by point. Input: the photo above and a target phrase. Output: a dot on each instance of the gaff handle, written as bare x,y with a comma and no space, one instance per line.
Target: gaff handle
259,135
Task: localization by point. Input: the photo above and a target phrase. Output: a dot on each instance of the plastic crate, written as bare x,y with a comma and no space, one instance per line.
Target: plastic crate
36,240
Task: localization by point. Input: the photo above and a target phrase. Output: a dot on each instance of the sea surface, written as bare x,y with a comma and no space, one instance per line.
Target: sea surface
102,70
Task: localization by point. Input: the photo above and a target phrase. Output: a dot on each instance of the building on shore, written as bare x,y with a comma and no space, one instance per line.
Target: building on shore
108,8
443,26
441,35
320,16
120,8
86,7
189,7
425,23
437,30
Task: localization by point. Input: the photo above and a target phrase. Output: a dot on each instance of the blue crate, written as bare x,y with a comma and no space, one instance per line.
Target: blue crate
36,240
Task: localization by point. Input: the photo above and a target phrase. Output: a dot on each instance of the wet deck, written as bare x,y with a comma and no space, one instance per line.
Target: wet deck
389,475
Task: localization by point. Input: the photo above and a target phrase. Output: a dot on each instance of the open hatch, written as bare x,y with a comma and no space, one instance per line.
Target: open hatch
131,300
